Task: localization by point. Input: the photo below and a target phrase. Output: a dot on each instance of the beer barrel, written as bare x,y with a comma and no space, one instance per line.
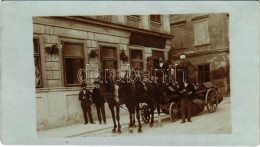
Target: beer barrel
197,106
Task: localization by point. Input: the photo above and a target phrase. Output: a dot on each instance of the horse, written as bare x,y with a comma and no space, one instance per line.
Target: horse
117,94
149,93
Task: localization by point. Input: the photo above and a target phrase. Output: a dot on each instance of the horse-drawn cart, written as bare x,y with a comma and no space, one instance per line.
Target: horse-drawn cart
205,95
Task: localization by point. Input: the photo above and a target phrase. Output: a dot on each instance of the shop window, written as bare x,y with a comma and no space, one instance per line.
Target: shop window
37,63
156,18
157,54
136,57
204,73
109,58
73,59
201,34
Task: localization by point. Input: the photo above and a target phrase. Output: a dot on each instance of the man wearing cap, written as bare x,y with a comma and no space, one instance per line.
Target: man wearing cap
99,101
84,97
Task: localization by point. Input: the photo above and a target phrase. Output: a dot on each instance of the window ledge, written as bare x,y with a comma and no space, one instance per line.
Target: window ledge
201,45
58,89
200,17
156,22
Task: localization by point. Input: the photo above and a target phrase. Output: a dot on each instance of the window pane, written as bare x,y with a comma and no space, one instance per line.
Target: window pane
108,52
36,46
73,66
157,54
155,18
108,64
137,65
206,68
37,71
136,54
73,50
207,77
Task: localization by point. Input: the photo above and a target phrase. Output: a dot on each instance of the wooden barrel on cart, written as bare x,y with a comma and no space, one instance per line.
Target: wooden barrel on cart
197,106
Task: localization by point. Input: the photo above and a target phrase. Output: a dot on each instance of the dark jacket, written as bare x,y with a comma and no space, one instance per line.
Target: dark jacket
97,97
85,98
188,91
164,67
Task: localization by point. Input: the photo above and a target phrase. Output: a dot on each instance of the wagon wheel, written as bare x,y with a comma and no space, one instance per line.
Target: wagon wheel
173,112
145,112
211,100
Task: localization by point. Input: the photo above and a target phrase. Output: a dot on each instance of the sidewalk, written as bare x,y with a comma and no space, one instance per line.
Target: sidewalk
77,129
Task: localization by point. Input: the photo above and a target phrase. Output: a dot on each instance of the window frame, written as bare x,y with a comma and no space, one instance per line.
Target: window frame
154,20
159,50
136,60
108,59
198,20
39,60
63,42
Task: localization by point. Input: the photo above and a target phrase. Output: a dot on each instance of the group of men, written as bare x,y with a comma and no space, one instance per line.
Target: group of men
87,101
185,90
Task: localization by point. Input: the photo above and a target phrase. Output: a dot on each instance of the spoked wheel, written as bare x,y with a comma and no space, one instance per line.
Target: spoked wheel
211,100
145,112
173,112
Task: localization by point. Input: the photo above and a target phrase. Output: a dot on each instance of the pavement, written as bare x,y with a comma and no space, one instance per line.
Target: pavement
218,122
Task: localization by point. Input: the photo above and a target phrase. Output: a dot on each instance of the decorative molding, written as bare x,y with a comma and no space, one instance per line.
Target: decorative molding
155,26
115,26
178,23
106,18
133,21
177,55
200,17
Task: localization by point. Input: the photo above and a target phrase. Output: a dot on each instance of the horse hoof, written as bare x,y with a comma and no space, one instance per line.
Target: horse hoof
140,131
151,125
118,131
113,131
130,131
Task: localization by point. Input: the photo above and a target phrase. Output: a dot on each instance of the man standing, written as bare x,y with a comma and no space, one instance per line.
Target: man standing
187,91
99,101
84,97
161,69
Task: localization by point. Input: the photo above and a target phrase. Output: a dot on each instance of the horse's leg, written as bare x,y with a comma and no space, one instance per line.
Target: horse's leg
159,117
138,118
131,119
152,113
111,107
118,119
134,119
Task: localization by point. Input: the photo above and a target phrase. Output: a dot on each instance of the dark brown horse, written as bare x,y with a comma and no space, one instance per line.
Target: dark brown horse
118,93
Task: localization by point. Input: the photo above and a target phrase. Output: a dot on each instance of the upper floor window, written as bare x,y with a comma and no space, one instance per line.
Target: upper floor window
201,34
37,62
156,18
73,60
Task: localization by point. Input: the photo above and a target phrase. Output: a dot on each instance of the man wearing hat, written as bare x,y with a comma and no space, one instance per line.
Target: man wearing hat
99,101
84,97
187,92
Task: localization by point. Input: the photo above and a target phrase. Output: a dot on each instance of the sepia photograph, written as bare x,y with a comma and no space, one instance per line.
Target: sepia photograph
132,75
125,73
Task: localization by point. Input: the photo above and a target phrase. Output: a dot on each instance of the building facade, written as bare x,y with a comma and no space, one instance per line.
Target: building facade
204,40
64,45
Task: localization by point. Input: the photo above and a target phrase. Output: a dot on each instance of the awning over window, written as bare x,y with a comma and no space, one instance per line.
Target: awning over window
147,40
